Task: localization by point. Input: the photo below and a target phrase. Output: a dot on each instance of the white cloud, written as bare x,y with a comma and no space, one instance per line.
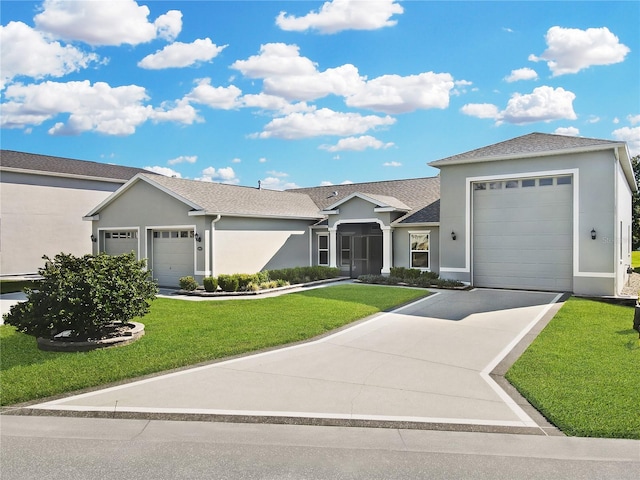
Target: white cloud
481,110
106,23
357,144
568,131
631,135
288,75
166,171
26,52
98,107
183,159
521,74
265,101
544,104
339,15
236,160
225,98
223,175
396,94
571,50
593,119
276,183
262,160
633,119
277,174
392,164
322,122
178,55
180,112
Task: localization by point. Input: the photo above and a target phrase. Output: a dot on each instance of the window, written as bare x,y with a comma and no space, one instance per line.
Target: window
512,184
126,235
545,182
323,249
530,182
345,250
564,180
495,185
479,186
419,249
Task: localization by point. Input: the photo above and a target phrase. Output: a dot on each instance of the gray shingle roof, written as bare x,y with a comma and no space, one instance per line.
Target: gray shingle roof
526,146
65,166
219,198
421,195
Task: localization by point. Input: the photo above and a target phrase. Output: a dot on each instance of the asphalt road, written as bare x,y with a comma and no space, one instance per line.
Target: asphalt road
77,448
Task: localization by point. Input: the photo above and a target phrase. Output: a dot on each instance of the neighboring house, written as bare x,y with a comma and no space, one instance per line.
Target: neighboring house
540,211
42,202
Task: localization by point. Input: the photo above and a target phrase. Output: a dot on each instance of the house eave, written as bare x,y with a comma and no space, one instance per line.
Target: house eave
44,173
514,156
415,224
256,215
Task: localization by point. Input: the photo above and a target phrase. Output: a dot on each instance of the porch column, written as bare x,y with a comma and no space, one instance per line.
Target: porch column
387,250
333,246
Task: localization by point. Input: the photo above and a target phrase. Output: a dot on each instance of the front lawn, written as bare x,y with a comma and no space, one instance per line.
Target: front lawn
181,333
583,371
635,259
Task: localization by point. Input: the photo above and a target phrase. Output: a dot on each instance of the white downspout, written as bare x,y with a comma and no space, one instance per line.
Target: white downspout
213,245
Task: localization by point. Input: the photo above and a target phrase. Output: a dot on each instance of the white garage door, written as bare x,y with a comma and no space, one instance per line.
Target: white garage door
522,233
117,243
172,256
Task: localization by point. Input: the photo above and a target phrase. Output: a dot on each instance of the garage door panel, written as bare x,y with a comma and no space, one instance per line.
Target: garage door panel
173,257
522,237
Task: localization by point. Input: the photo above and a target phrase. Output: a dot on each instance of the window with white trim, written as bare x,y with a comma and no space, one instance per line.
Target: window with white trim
323,249
419,246
121,235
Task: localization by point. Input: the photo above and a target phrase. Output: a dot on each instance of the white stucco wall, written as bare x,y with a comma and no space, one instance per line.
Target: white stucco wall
41,215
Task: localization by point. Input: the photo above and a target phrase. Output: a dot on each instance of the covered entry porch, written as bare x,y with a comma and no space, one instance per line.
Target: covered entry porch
362,248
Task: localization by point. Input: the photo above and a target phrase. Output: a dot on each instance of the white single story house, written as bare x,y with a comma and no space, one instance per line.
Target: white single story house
42,202
545,212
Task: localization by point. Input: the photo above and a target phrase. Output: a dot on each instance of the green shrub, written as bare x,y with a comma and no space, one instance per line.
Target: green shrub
244,279
228,283
304,274
84,295
188,283
210,284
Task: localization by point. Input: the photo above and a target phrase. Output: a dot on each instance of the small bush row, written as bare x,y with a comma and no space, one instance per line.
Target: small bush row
251,282
411,277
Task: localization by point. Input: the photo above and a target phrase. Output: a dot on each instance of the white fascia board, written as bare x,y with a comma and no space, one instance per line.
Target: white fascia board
516,156
624,157
197,213
416,224
274,217
330,212
46,173
389,209
93,218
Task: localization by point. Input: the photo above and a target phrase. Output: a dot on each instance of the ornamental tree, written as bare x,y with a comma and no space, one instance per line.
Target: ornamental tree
84,295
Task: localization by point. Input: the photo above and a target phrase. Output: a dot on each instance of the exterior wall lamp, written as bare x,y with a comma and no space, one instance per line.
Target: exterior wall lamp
453,235
94,239
593,234
197,237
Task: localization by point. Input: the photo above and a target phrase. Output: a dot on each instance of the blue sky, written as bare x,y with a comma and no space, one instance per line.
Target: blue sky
305,93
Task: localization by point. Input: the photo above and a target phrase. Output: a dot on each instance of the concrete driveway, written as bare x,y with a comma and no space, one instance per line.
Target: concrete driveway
425,364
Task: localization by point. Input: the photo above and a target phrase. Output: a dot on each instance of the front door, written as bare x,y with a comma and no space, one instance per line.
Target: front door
361,254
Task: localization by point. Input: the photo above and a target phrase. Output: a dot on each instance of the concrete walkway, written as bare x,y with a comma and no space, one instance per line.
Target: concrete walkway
427,364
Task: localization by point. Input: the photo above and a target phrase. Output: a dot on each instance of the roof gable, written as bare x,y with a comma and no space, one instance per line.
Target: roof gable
208,198
380,201
531,145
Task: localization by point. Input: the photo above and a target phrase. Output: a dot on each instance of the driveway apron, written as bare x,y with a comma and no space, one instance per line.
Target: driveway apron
427,362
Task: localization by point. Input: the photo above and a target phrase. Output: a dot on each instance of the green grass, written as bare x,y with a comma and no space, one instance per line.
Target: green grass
180,333
583,371
635,259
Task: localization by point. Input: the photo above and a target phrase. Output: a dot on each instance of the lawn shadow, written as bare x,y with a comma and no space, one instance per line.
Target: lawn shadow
634,343
20,350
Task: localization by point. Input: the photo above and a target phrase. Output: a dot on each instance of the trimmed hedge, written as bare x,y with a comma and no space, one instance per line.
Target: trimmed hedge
407,276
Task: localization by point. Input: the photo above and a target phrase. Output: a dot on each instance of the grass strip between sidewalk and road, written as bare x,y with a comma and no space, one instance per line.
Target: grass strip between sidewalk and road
583,371
179,333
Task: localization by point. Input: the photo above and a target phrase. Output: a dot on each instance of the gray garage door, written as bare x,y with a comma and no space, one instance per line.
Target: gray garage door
117,243
522,233
172,256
